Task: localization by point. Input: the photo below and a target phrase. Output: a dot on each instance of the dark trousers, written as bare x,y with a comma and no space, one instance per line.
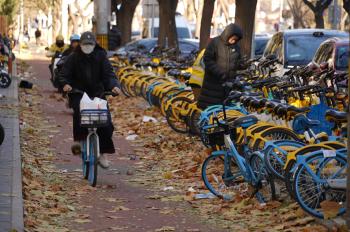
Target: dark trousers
105,134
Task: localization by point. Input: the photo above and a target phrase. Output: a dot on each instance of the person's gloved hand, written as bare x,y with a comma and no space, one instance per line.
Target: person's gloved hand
116,90
67,88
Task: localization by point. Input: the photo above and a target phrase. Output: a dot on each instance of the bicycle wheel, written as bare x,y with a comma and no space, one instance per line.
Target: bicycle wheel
176,120
2,134
289,173
274,134
5,80
312,193
263,181
276,155
85,162
124,89
215,179
93,160
194,120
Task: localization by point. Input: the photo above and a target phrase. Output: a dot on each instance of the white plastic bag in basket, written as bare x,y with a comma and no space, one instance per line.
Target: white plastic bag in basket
96,104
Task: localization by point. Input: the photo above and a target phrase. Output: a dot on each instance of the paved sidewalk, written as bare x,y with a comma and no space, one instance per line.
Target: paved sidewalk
11,201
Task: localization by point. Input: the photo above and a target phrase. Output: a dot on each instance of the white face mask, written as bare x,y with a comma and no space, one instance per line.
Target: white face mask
87,48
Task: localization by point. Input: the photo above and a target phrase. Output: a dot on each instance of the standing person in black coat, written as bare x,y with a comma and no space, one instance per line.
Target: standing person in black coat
221,59
89,70
37,36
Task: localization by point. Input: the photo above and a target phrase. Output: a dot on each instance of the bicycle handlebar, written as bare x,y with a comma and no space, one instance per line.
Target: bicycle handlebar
106,93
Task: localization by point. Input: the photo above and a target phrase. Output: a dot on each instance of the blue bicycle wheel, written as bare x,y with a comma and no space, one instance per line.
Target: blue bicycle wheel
218,181
93,161
311,192
275,156
85,163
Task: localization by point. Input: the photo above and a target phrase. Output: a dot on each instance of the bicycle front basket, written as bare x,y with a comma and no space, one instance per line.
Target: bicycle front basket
94,118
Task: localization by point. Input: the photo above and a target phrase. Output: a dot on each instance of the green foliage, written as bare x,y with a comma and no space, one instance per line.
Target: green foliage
8,8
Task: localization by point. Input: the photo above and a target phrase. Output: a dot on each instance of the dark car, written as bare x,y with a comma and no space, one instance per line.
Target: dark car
186,46
142,45
334,53
297,47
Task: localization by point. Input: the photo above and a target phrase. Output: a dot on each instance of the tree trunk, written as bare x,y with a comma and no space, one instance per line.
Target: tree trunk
198,18
172,33
167,24
207,15
125,16
245,18
162,31
319,20
298,12
73,19
318,9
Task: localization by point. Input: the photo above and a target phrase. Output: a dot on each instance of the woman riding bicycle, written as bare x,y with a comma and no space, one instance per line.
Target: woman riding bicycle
88,69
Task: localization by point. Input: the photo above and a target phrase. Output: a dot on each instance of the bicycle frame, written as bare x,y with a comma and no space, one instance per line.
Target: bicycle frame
245,169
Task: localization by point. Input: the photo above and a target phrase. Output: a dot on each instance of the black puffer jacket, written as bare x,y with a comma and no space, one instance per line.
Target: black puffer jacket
94,75
221,62
91,73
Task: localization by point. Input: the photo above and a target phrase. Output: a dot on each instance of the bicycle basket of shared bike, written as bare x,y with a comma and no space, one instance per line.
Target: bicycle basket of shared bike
213,135
94,118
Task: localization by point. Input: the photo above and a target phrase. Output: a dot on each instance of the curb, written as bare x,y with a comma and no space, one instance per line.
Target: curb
17,200
11,197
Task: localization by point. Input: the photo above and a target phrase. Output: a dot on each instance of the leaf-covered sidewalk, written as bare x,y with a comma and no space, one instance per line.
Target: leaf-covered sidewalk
152,187
56,196
173,161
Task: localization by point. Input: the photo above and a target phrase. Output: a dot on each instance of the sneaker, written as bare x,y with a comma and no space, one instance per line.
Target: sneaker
104,162
76,149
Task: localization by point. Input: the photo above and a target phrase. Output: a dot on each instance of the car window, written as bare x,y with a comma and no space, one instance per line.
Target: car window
323,53
342,58
300,49
260,45
274,46
144,45
182,32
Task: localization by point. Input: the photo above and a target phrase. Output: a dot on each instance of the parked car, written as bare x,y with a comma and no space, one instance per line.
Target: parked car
147,45
297,47
182,28
334,53
143,45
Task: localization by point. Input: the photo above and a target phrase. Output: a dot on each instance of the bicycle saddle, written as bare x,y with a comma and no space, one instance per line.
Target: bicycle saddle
263,102
235,95
253,94
271,104
292,110
186,75
256,103
336,116
244,122
301,123
280,110
246,101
